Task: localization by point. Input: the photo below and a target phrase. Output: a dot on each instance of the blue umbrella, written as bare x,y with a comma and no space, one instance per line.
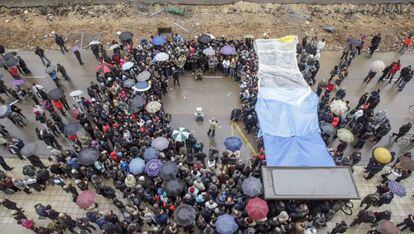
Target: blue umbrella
136,166
233,143
226,224
159,40
142,86
397,188
153,167
150,153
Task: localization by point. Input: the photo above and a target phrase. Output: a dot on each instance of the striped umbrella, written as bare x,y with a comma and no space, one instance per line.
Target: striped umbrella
104,68
180,135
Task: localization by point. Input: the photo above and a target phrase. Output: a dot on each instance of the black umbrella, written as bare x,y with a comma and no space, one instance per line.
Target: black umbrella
136,104
11,62
204,38
87,156
126,36
29,149
10,55
354,42
184,215
174,187
56,94
71,129
168,171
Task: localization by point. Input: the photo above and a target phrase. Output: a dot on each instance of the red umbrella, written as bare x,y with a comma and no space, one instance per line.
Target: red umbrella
86,199
257,208
104,68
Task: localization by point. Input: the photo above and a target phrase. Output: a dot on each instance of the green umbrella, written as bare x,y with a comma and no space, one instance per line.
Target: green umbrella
181,134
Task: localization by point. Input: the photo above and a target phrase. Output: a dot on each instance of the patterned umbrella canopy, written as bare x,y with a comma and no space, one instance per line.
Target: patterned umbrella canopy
136,166
252,186
226,224
338,107
160,143
153,107
153,167
257,208
160,57
228,50
397,188
56,94
87,156
104,68
184,215
29,170
85,199
233,143
159,40
169,171
150,153
181,134
143,76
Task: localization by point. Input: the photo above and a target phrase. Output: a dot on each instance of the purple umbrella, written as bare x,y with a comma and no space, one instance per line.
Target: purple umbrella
153,167
17,82
228,50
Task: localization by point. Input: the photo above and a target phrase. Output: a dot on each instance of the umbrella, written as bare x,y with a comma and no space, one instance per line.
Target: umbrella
252,186
226,224
209,51
114,46
136,166
85,199
4,111
150,153
354,42
160,57
143,76
71,129
377,66
76,93
29,170
173,187
136,104
228,50
233,143
95,42
153,107
10,55
328,128
153,167
184,215
387,227
17,83
56,94
397,188
10,62
128,65
407,163
126,36
382,155
338,107
29,149
87,156
169,170
129,83
180,135
204,38
159,40
104,68
160,143
257,208
142,86
345,135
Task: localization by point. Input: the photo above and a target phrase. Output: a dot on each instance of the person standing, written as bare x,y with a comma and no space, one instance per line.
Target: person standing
22,66
69,188
212,128
405,80
76,51
405,71
11,205
371,74
62,70
16,146
176,77
402,131
396,66
405,44
375,42
4,164
52,73
61,43
385,73
41,53
407,223
35,161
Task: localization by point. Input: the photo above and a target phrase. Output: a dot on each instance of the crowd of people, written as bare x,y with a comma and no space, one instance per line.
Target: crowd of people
177,186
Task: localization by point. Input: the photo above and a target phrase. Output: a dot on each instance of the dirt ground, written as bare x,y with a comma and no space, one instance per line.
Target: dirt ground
25,28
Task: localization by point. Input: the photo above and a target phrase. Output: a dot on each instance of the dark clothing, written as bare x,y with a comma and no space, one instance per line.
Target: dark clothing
41,53
4,164
11,205
78,57
35,161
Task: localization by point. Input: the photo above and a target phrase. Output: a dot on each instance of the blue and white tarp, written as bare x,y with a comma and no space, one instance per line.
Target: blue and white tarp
287,108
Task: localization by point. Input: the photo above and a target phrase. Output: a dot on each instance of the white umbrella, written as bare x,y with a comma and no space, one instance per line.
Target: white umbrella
338,107
127,66
76,93
377,66
95,42
114,46
153,107
160,57
345,135
209,51
143,76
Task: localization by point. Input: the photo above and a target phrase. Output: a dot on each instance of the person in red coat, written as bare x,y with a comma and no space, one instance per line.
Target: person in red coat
59,106
395,66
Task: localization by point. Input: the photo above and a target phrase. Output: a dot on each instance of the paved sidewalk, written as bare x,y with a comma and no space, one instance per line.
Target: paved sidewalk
62,202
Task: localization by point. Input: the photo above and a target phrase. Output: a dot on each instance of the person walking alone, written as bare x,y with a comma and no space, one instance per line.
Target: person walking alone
61,43
402,131
76,51
212,128
405,44
41,53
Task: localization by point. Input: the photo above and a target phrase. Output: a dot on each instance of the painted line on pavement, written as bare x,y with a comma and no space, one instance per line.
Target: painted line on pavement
35,77
213,77
232,128
244,138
